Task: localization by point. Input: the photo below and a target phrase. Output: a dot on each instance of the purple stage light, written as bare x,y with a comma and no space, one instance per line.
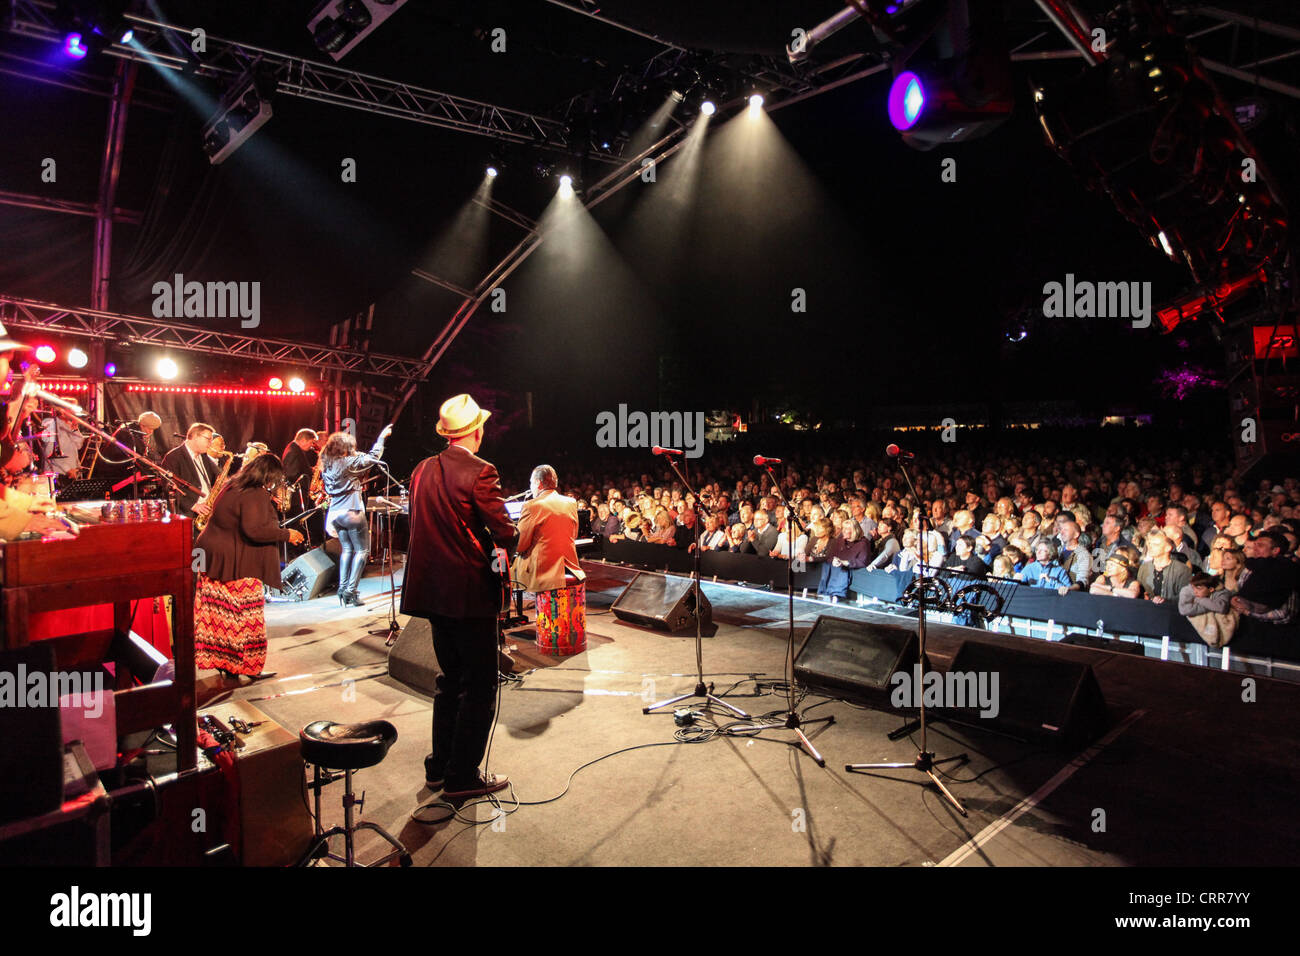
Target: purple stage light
1182,381
74,47
906,100
110,370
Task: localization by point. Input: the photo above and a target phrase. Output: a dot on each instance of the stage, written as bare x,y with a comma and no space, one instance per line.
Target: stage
1187,775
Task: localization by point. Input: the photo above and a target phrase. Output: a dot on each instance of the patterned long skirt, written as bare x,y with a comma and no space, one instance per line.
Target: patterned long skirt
562,620
230,625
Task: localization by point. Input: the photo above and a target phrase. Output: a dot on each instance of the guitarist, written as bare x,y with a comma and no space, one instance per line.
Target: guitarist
454,578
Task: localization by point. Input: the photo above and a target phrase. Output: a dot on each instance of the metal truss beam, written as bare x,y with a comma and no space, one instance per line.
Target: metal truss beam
166,46
46,317
8,198
588,9
1255,51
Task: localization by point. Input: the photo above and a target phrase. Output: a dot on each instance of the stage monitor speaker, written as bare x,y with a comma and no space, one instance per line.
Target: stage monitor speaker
855,659
665,604
411,660
1040,699
31,734
309,575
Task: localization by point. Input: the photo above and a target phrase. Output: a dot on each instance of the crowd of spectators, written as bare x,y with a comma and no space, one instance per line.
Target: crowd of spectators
1144,529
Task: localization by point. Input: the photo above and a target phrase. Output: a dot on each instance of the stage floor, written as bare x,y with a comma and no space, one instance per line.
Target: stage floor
1188,775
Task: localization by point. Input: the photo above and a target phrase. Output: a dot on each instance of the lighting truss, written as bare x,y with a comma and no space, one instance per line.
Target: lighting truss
167,46
45,317
1247,48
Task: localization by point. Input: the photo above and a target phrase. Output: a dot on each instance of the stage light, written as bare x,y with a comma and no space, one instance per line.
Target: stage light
128,36
954,84
110,370
906,100
45,354
167,368
296,384
756,102
707,108
243,110
77,358
566,187
74,46
492,172
337,26
276,384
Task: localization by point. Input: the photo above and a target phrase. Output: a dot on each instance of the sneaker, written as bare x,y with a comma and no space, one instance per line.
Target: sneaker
485,784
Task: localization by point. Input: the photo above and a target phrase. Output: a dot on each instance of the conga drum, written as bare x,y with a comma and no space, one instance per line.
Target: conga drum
562,619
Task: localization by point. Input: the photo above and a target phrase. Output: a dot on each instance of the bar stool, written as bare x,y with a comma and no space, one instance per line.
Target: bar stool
347,747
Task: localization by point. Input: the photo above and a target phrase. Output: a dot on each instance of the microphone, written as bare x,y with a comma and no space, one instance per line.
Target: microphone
32,389
761,461
671,452
893,451
178,435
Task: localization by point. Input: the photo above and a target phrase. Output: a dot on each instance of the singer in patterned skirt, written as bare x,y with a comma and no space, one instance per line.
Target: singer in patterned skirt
238,548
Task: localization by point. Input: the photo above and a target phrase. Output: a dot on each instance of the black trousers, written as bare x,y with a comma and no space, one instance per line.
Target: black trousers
464,699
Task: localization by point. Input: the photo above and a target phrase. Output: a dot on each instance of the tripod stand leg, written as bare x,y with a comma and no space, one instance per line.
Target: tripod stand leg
722,703
862,767
666,703
808,748
944,790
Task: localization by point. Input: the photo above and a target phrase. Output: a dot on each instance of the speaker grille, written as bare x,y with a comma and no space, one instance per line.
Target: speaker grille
854,659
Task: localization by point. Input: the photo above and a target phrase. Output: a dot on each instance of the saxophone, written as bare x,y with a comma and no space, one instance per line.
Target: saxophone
201,521
317,488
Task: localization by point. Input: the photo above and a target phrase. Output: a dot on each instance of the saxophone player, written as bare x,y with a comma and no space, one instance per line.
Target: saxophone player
189,461
299,460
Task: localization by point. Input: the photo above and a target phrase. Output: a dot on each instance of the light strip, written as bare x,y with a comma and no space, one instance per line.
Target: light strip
216,390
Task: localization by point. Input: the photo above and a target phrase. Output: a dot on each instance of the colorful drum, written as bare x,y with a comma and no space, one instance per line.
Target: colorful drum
562,620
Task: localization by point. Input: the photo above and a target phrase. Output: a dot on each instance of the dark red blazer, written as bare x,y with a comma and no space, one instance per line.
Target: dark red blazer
448,571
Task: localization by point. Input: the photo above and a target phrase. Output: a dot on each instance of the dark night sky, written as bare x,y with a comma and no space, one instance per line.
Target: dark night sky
909,280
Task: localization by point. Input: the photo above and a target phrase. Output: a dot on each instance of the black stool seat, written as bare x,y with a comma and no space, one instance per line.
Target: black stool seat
346,746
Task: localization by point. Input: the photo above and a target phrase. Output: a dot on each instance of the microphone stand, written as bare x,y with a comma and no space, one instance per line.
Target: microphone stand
702,691
393,629
924,762
175,482
792,719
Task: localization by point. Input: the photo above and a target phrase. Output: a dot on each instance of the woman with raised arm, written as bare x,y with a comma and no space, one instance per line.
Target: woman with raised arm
343,471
